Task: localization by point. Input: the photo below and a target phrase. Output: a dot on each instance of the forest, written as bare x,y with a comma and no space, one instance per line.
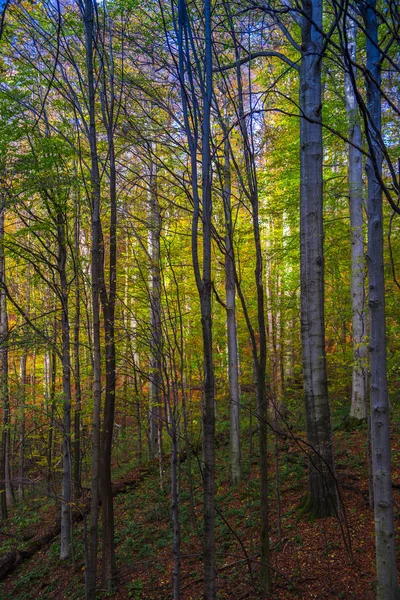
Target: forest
199,292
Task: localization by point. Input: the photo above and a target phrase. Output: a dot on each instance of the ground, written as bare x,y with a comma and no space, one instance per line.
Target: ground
312,559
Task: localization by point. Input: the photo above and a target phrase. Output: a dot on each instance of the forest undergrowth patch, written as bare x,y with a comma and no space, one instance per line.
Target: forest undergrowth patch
309,559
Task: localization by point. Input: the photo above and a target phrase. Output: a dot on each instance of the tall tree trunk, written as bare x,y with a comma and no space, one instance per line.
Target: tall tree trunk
322,499
66,493
259,350
176,550
96,275
109,569
138,396
206,322
52,362
358,408
155,312
22,364
203,280
386,570
5,400
77,362
233,358
262,409
21,461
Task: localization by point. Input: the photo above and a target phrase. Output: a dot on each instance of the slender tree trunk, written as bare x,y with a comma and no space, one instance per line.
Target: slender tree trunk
5,401
233,358
206,321
175,504
77,362
66,493
52,359
138,396
270,322
96,275
21,461
262,411
322,499
386,570
109,568
155,313
203,281
358,408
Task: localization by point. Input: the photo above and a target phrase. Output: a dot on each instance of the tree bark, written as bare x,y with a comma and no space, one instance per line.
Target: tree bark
206,322
358,408
5,400
155,312
386,570
21,449
96,275
77,362
322,499
203,281
233,358
109,568
66,493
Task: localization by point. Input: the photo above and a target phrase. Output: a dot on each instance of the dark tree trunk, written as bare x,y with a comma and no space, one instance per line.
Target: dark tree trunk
155,313
203,281
109,568
206,322
66,494
21,461
96,275
77,362
5,400
52,406
233,357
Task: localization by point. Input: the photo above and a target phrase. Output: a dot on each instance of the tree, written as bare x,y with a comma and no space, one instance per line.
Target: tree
5,434
358,408
386,570
203,281
322,500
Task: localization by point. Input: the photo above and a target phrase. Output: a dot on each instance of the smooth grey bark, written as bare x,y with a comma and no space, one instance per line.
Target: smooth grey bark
322,498
386,570
233,357
358,408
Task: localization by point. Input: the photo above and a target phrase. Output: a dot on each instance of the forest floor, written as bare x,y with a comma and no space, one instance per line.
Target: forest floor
312,559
